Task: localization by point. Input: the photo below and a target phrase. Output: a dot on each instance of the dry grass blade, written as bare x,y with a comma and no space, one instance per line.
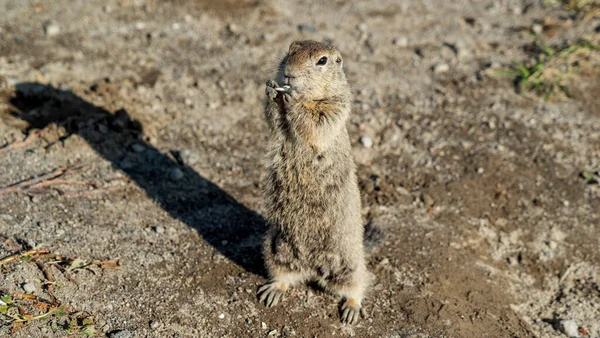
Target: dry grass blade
22,255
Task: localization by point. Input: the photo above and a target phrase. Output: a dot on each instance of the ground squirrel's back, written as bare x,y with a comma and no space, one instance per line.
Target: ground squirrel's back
311,195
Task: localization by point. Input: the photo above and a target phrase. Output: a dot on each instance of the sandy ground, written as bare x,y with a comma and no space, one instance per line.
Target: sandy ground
488,198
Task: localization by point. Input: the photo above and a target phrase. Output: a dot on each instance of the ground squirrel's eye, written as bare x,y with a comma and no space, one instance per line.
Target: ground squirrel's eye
322,61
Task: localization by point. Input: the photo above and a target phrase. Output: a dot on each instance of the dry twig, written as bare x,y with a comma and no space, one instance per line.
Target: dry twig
21,255
34,135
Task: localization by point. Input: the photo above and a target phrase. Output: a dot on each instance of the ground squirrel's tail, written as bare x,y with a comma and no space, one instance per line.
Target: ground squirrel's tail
373,238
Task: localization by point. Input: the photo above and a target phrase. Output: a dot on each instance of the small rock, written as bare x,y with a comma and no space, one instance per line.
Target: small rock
263,325
29,287
159,229
480,170
175,174
362,27
272,333
441,68
140,25
568,327
537,28
138,148
154,325
268,37
51,29
427,199
307,28
366,141
125,165
384,262
232,28
121,334
221,316
402,191
401,42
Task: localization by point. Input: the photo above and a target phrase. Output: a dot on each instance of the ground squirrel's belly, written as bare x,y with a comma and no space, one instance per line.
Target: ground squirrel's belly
300,194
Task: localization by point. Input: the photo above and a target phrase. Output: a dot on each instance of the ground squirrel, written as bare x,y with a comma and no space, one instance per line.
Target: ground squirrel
312,201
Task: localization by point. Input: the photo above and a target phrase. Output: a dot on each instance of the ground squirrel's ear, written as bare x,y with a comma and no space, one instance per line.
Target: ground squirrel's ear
338,60
294,46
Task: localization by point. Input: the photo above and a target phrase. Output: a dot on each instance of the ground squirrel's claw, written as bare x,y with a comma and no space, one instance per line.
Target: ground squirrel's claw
270,294
350,312
272,84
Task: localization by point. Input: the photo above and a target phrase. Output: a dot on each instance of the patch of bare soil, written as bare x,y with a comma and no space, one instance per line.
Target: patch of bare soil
133,130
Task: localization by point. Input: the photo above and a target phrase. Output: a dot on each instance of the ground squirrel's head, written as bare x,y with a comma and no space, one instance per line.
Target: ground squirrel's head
314,69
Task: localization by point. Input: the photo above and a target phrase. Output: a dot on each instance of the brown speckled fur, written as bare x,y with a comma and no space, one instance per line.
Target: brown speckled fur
311,194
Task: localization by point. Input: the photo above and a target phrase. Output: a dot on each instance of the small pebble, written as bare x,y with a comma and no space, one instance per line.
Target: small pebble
569,327
138,148
272,333
268,37
232,28
159,229
221,316
175,174
428,200
154,325
51,29
29,287
307,28
263,325
401,42
366,141
121,334
480,170
537,28
125,164
441,68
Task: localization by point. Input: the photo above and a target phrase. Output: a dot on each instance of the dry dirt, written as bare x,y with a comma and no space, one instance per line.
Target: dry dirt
491,228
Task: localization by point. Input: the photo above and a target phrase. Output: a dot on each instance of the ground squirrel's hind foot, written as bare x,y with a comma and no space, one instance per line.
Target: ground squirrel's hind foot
270,293
351,311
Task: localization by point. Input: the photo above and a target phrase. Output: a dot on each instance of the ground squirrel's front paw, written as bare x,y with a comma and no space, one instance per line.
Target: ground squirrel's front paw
350,311
270,90
291,97
271,293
